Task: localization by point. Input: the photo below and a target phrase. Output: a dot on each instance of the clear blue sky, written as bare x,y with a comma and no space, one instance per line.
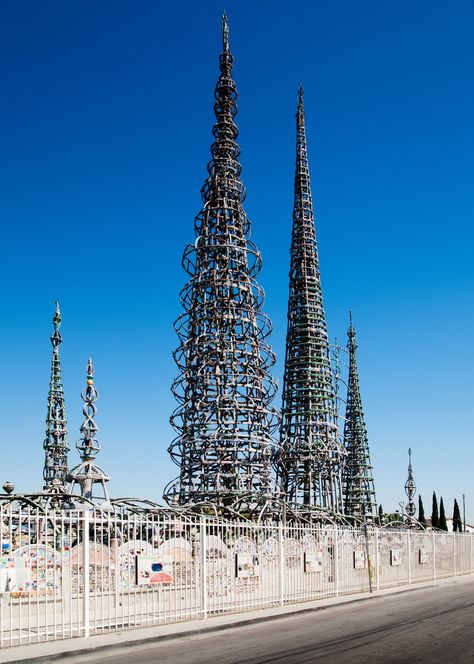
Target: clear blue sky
105,127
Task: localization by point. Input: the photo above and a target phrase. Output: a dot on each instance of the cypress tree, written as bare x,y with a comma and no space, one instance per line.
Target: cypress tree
380,515
442,516
421,512
457,521
434,512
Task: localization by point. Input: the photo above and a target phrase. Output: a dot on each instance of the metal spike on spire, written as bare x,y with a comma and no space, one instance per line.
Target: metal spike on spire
309,468
358,482
224,421
87,473
55,444
300,97
225,33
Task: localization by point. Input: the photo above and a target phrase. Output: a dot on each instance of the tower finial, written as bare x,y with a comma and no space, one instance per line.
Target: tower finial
56,337
300,111
225,32
90,372
351,333
300,94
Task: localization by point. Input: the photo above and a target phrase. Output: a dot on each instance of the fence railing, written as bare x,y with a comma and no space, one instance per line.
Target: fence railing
80,573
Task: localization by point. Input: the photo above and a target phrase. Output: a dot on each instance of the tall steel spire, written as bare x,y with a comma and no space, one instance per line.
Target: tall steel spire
358,482
55,444
87,473
410,490
224,421
309,467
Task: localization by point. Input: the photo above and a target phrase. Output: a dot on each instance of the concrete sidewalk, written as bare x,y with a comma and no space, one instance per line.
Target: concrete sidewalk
56,650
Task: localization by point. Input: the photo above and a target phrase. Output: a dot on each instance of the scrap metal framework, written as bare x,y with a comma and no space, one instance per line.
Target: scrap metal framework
55,445
87,473
358,482
309,467
225,421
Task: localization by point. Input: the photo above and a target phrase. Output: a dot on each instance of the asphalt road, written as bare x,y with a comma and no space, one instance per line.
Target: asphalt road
423,625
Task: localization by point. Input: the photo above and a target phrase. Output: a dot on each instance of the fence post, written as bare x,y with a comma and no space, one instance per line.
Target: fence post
281,564
409,556
203,540
434,556
86,573
336,559
470,538
377,572
454,554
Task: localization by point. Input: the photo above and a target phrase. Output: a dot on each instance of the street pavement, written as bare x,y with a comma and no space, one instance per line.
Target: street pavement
430,624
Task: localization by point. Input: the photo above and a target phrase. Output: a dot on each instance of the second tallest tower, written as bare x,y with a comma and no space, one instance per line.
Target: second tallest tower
309,468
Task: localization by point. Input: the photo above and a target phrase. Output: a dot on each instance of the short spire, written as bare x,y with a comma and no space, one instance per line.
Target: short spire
225,33
410,490
87,474
88,446
358,481
55,445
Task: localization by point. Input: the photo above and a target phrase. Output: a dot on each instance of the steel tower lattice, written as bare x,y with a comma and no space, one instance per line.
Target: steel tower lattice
309,468
87,473
55,445
225,421
358,482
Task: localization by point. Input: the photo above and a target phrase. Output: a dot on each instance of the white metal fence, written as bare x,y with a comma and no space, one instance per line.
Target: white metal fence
81,573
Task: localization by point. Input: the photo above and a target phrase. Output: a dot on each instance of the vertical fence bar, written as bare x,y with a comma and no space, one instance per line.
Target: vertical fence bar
336,559
434,556
377,571
369,558
281,565
470,549
203,538
86,573
409,555
454,554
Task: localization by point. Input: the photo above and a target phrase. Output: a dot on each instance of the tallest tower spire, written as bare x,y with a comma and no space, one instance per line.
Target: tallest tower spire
309,468
224,420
